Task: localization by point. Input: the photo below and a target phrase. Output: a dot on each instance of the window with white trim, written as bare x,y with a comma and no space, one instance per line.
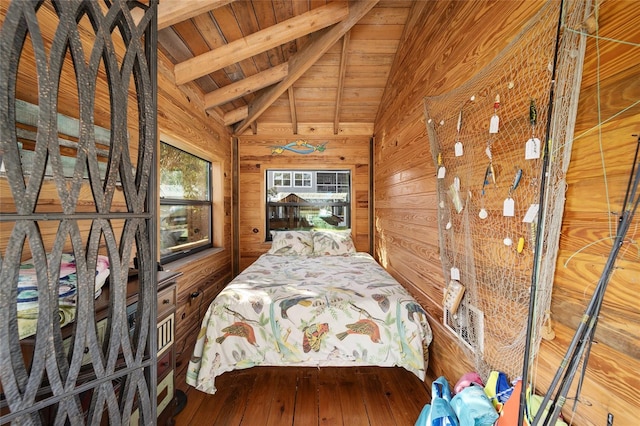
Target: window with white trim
282,179
302,179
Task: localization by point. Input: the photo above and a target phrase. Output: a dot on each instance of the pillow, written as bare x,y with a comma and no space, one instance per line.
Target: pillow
333,243
291,243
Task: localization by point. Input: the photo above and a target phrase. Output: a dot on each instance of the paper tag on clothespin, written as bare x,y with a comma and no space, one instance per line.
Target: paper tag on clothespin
532,149
508,208
455,273
441,172
494,124
531,214
458,149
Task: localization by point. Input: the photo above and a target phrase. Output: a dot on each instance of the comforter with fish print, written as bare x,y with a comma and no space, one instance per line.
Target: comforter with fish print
310,311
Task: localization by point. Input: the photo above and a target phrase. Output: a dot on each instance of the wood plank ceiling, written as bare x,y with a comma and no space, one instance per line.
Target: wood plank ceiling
284,66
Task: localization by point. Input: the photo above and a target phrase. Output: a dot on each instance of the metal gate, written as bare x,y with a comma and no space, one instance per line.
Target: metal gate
77,202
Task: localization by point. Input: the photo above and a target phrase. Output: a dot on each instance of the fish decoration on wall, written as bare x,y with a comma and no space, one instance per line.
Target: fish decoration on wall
300,146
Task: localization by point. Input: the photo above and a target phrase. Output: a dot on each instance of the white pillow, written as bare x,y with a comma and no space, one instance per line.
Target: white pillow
291,243
333,243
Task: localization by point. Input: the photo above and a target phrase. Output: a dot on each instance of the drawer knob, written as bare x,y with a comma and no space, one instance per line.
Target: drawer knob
166,301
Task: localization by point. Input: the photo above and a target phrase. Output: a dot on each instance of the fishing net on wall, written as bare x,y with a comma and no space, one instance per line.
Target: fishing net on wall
487,141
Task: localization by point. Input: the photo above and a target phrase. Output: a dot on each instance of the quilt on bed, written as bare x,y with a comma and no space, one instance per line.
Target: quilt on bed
310,311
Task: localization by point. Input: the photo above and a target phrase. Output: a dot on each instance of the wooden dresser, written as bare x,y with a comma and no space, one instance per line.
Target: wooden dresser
166,356
167,295
167,287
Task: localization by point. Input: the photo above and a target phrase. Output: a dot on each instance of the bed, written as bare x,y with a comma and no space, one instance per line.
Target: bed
310,301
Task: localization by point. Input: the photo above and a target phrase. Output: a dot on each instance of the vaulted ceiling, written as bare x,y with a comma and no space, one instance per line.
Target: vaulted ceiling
284,66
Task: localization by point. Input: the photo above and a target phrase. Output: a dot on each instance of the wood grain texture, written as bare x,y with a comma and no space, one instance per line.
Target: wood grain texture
184,124
255,158
260,41
406,233
309,396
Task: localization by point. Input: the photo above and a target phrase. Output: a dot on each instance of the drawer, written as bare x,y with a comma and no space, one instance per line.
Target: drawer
165,334
164,395
165,363
166,300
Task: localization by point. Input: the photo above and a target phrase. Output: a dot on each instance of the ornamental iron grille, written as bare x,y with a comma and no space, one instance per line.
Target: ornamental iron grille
77,202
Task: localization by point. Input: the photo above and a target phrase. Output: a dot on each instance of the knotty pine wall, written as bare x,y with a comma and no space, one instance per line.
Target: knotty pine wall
182,123
445,44
255,157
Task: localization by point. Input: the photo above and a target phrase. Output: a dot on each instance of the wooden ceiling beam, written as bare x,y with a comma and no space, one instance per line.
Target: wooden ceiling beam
245,86
171,12
303,60
341,74
238,114
261,41
294,113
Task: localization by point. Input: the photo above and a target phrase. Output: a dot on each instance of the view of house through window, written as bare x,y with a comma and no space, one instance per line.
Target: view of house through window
185,203
308,199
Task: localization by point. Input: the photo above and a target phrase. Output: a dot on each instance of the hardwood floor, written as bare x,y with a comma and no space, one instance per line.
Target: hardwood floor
309,396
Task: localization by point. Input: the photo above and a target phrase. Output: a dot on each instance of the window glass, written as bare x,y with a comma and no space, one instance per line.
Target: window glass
185,203
319,199
282,179
302,179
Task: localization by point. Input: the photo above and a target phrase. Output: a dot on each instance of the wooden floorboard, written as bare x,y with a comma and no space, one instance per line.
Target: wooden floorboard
309,396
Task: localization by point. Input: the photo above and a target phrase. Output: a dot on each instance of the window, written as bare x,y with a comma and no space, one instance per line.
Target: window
318,199
302,179
185,203
333,181
282,179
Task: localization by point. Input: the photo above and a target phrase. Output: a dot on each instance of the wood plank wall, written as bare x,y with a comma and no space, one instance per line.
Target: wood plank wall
182,123
445,44
255,157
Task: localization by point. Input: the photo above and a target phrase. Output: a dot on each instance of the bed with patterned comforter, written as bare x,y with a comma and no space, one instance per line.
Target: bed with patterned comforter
310,311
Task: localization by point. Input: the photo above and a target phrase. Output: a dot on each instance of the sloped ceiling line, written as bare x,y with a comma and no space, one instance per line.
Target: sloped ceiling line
247,85
260,41
303,60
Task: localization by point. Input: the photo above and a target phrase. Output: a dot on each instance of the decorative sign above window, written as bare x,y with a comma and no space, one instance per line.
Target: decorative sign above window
300,146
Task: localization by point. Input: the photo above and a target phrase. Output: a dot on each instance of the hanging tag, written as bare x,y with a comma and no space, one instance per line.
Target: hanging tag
494,124
458,149
441,172
532,149
453,296
531,214
455,273
456,183
488,152
508,208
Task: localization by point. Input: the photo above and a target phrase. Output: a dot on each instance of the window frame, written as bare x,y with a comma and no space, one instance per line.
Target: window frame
345,205
181,202
304,174
282,174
